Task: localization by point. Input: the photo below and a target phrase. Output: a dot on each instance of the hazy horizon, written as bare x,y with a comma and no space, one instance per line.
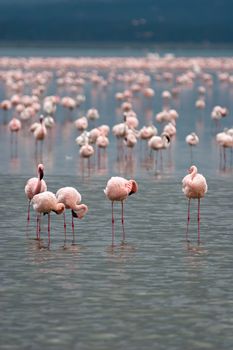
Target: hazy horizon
204,22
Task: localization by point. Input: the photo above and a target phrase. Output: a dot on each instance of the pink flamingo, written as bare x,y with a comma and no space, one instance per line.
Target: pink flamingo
158,143
71,198
118,189
34,186
14,126
5,105
39,132
194,186
46,202
224,140
192,140
81,123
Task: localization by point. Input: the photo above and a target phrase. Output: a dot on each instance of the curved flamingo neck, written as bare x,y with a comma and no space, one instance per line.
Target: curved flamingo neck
40,177
81,210
193,172
133,187
38,186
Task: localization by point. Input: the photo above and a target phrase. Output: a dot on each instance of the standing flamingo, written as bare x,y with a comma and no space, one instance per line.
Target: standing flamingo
118,189
194,186
158,143
45,203
192,140
14,126
39,133
71,198
34,186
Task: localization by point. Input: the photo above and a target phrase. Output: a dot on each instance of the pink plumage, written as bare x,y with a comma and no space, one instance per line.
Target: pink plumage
118,189
14,125
44,203
35,185
71,198
194,186
86,151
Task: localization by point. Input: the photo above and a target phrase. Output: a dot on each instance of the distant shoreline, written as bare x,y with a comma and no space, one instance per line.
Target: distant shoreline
115,45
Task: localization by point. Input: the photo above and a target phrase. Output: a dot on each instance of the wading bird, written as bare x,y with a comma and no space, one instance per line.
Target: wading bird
118,189
194,187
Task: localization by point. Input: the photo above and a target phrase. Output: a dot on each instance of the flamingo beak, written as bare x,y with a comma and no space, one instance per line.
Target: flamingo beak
75,215
41,174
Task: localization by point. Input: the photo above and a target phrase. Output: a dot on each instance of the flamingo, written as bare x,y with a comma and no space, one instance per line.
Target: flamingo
118,189
39,132
192,140
92,114
34,186
194,185
86,151
166,98
200,103
5,105
224,140
46,202
158,143
81,123
147,132
14,126
71,198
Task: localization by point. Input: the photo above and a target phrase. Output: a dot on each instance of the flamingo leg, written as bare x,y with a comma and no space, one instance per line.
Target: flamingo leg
188,220
122,221
5,117
89,166
198,221
224,157
113,233
73,242
220,161
191,153
41,150
156,160
28,217
36,148
37,227
161,158
16,145
48,229
64,217
98,157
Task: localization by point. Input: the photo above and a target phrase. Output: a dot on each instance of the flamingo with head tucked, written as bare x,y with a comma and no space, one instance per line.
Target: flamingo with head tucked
118,189
44,203
194,187
71,198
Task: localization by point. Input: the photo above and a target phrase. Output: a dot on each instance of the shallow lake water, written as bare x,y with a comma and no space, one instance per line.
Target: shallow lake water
156,291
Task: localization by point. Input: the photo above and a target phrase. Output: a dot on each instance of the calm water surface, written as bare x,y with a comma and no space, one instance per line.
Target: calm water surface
154,292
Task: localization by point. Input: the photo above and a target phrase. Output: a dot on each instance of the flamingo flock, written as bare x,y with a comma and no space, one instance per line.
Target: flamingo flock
118,189
147,93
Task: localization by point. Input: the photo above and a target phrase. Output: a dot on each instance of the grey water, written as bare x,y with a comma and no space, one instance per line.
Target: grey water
156,291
